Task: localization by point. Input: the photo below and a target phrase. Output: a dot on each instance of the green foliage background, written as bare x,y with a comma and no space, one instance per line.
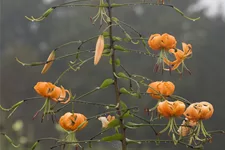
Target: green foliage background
33,41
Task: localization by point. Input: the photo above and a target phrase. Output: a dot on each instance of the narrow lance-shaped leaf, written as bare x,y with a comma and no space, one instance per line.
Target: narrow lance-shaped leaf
125,91
114,123
115,137
117,61
106,83
129,141
42,17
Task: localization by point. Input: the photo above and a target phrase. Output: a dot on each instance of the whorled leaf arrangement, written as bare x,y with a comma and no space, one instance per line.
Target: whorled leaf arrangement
191,132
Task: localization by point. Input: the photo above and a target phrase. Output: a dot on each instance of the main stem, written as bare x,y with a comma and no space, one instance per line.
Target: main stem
122,127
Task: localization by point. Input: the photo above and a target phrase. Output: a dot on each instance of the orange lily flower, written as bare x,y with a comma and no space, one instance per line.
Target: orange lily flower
49,90
180,56
158,88
199,111
170,109
71,121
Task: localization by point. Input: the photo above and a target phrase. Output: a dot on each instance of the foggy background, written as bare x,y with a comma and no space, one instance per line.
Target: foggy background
33,41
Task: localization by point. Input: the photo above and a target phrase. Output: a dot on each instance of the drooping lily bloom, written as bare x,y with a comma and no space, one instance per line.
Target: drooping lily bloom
179,55
199,111
106,120
171,109
73,121
168,41
49,90
99,49
154,42
159,88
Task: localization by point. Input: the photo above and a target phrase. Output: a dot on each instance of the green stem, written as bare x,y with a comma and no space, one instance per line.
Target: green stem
58,58
146,3
147,121
116,87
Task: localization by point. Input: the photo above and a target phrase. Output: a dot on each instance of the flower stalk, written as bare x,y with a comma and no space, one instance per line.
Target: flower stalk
117,93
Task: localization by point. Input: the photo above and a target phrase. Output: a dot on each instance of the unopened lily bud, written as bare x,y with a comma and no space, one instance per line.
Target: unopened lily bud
49,63
99,49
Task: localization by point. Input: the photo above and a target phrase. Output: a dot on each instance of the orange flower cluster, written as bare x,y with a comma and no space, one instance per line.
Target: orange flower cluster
179,55
159,88
49,90
164,41
171,109
73,121
199,111
194,113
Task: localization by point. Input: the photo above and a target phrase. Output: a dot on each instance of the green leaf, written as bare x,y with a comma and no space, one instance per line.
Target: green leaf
116,20
132,124
122,75
106,52
117,61
106,83
126,39
123,105
127,114
116,38
120,48
129,141
114,123
105,34
138,95
115,137
124,91
106,46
